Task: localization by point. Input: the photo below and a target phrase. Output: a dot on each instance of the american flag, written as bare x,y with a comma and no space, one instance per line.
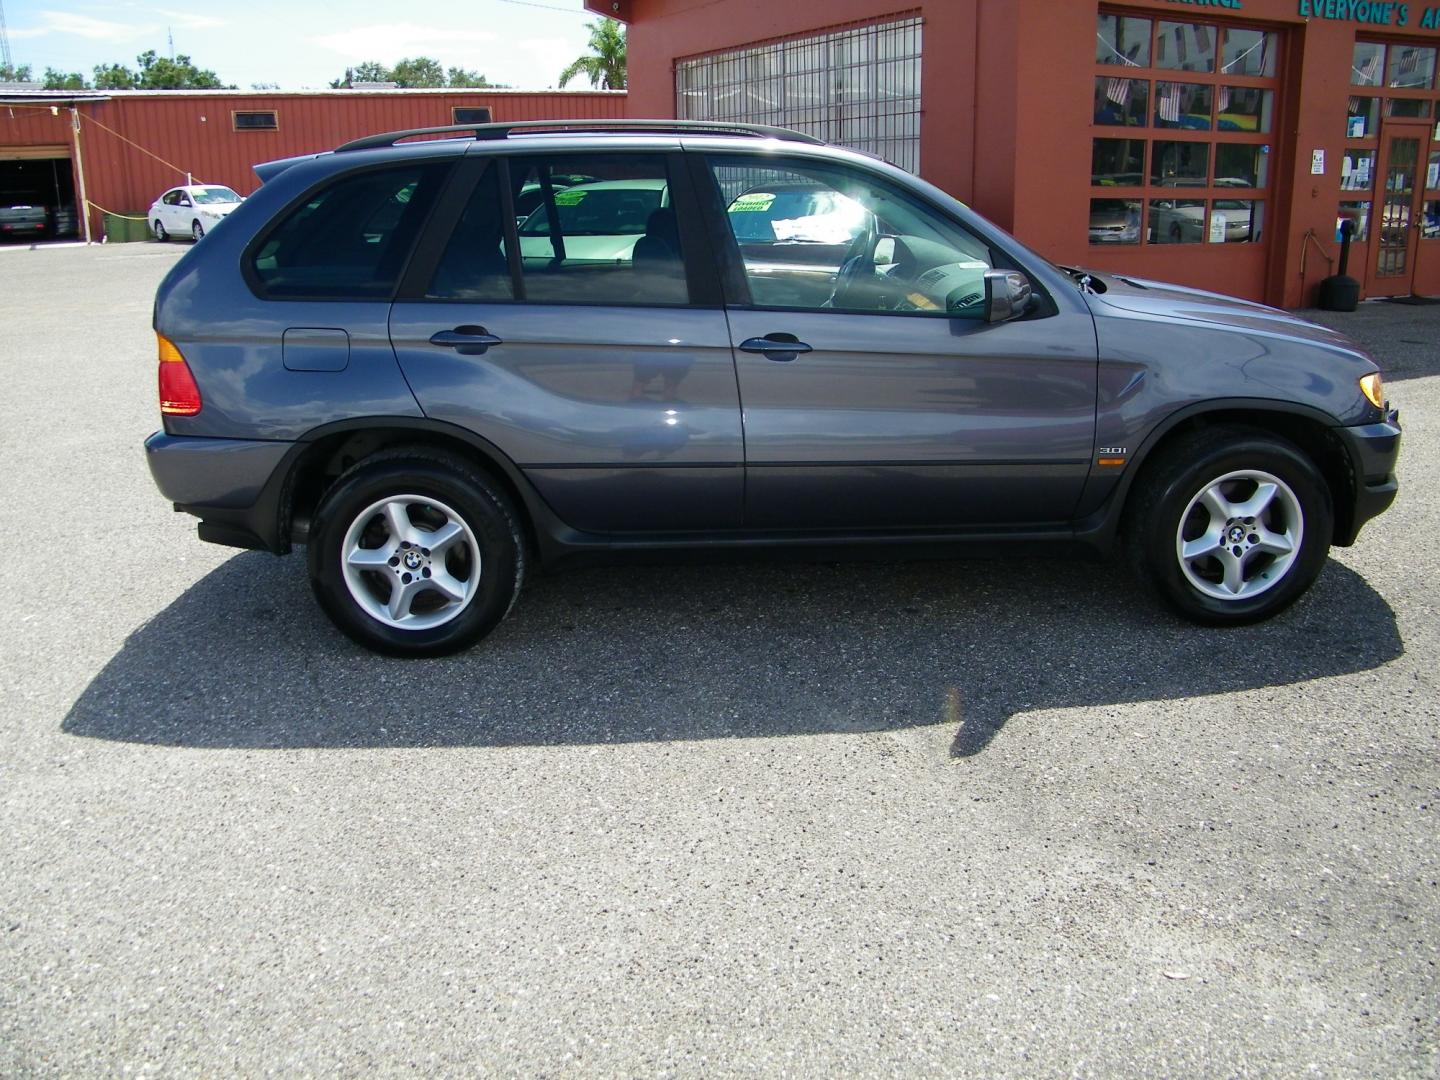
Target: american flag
1118,91
1224,99
1366,71
1169,106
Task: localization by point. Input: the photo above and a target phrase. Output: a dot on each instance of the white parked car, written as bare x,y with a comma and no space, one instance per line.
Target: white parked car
192,210
601,221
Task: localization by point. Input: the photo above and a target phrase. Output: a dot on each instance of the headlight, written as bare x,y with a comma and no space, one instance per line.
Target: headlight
1373,387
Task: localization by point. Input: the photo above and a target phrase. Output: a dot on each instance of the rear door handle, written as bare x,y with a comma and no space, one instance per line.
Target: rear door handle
466,340
780,347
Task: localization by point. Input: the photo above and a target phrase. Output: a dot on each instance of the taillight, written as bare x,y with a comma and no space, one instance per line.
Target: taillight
179,396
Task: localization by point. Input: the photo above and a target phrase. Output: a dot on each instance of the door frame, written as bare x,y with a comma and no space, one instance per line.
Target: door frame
1390,130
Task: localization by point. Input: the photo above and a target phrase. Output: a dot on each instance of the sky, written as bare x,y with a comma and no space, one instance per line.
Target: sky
304,44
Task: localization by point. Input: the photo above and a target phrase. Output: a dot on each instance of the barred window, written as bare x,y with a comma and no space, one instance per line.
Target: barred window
855,86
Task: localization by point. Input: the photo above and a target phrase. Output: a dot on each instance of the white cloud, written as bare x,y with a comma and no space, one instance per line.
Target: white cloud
389,42
189,21
67,22
544,59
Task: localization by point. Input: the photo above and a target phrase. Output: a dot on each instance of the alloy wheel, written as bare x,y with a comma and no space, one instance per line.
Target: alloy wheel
411,562
1240,535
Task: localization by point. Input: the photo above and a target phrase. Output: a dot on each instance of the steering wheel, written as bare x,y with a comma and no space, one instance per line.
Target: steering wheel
858,265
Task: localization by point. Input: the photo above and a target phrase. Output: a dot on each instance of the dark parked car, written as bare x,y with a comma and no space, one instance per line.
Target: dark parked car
23,222
368,361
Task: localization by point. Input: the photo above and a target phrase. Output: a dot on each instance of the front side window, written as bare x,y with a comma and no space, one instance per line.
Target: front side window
814,236
351,238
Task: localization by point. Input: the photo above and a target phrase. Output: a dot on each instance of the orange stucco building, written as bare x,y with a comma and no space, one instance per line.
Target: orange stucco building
1213,142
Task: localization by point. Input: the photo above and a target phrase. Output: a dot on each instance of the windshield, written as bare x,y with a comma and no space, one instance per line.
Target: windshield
617,211
214,195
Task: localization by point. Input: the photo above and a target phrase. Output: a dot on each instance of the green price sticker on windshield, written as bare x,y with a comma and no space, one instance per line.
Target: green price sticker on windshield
757,202
570,197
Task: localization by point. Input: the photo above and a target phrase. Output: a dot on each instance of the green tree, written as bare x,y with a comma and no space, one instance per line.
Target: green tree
115,77
419,72
461,77
410,73
604,65
11,73
163,73
369,71
64,80
157,73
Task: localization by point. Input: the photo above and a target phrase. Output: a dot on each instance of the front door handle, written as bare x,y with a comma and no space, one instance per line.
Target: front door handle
466,340
782,347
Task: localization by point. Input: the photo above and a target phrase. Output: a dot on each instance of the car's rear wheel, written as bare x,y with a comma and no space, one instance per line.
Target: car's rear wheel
196,230
1231,525
415,553
160,233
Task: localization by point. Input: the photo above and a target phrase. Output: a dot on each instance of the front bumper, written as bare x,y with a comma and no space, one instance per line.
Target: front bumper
233,486
1373,450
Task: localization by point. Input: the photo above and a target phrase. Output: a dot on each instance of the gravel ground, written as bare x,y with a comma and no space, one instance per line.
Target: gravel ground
981,818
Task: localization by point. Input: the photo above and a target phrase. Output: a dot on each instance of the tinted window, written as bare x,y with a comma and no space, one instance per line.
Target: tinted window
602,231
256,121
351,238
816,236
474,266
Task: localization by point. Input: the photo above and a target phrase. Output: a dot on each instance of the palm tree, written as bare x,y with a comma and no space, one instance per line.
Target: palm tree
605,65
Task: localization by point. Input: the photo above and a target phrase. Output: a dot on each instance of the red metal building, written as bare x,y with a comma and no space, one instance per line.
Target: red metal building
1212,142
131,145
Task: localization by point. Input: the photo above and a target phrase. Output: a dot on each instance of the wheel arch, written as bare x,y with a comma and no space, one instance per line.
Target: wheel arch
327,452
1310,429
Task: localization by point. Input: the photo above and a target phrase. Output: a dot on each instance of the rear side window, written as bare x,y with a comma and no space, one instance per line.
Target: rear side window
350,239
598,229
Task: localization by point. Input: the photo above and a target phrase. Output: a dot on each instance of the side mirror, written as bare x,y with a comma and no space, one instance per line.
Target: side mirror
1007,294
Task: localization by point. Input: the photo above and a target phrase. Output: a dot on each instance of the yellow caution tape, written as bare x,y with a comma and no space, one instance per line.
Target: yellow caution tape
112,213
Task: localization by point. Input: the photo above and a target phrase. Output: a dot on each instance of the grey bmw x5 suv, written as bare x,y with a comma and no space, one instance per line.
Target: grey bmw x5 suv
722,337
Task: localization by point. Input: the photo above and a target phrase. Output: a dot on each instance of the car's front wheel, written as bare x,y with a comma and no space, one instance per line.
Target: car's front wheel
415,553
197,230
160,233
1231,526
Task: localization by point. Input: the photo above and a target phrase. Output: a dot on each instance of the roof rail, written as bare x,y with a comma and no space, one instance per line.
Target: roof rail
526,127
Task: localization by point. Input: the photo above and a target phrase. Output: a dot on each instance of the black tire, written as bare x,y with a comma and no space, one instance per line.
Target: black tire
1168,500
197,230
475,501
160,234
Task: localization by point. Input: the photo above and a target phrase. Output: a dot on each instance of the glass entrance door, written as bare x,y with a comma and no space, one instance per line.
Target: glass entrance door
1395,265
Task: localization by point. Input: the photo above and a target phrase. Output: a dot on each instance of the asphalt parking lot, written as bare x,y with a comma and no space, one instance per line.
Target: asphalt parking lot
970,818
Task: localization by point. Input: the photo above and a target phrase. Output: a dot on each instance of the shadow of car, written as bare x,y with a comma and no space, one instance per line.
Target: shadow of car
729,651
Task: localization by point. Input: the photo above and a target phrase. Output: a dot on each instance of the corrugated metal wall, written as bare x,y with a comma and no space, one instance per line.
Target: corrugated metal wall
193,131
